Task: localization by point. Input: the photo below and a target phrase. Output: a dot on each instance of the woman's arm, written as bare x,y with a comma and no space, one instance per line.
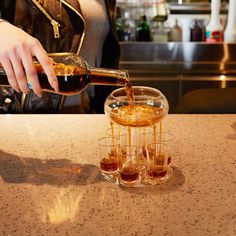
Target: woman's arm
17,49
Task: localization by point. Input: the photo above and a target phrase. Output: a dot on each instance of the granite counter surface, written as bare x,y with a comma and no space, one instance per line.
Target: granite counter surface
50,182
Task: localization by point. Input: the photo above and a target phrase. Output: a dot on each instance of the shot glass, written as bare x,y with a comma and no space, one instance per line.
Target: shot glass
146,136
119,132
158,171
129,168
108,154
165,138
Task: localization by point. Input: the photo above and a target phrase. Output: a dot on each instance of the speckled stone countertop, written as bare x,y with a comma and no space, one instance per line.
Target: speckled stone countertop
50,182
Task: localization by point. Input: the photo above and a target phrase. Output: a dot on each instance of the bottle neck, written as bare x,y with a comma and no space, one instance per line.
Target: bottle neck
102,76
215,12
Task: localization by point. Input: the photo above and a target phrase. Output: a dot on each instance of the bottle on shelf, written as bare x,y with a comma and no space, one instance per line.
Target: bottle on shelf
230,30
143,30
160,33
129,26
214,29
186,24
175,33
119,25
74,75
197,32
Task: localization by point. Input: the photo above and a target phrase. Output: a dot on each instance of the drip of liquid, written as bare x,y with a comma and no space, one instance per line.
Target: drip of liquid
157,171
160,143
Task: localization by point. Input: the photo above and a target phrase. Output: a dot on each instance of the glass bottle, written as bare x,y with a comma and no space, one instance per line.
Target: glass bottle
197,32
214,30
186,23
176,33
119,25
160,34
143,30
74,75
129,27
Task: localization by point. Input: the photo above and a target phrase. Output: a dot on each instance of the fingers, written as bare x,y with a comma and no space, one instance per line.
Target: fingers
6,63
19,72
47,64
31,73
16,58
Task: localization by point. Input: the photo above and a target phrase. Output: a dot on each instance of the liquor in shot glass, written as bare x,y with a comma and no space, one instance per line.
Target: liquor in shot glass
129,174
129,167
109,164
157,171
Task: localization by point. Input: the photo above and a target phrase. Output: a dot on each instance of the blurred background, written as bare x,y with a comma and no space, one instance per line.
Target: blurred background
164,45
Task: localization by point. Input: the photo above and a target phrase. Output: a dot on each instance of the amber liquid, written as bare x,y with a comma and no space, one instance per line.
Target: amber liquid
129,92
74,79
137,115
157,172
129,174
109,165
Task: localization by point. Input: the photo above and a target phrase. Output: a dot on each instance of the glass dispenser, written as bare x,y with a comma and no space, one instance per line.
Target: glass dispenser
139,110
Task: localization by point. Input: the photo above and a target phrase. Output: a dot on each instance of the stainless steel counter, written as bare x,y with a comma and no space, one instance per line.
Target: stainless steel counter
188,58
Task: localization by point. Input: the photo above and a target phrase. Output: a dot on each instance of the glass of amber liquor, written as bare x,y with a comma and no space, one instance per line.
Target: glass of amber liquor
129,169
158,170
157,135
108,153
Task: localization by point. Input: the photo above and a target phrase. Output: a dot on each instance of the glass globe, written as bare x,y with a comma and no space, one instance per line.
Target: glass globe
148,107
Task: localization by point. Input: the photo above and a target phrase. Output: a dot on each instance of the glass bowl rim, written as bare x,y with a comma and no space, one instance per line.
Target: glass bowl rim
137,87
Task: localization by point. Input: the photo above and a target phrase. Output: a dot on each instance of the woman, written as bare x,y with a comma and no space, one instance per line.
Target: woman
37,27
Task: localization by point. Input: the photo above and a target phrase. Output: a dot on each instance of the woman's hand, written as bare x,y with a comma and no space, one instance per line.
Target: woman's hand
16,51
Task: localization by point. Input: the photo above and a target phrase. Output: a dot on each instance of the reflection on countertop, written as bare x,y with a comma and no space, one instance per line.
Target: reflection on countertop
58,172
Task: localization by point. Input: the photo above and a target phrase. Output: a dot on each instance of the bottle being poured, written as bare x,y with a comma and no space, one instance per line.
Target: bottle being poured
74,75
